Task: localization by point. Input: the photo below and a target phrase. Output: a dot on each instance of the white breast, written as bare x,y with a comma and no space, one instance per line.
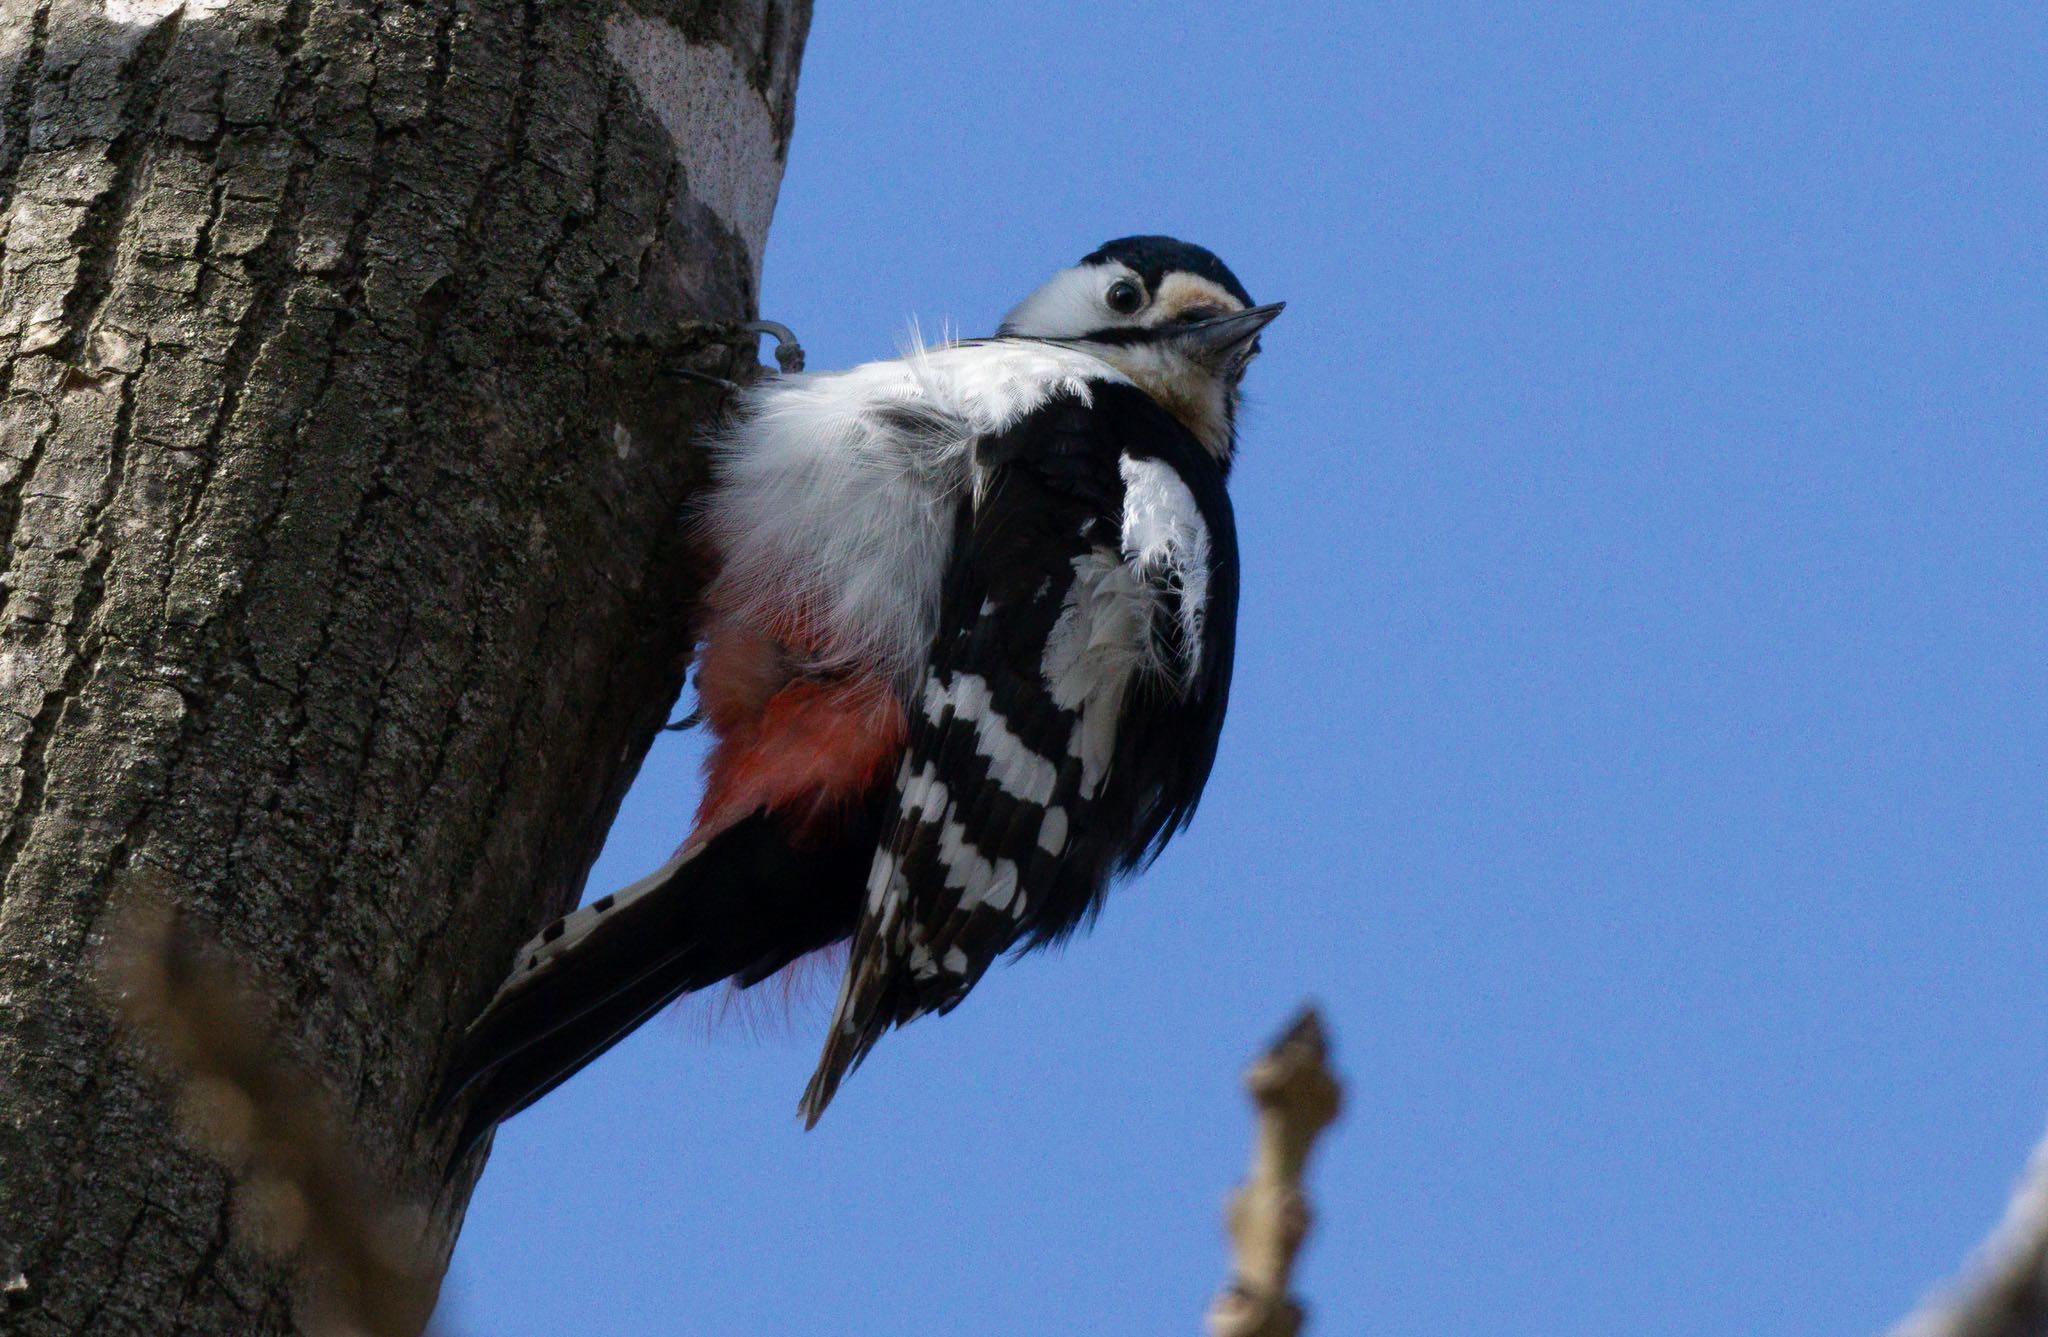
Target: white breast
835,494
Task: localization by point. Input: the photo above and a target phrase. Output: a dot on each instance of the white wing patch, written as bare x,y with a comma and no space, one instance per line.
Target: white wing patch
1165,536
1095,647
1103,636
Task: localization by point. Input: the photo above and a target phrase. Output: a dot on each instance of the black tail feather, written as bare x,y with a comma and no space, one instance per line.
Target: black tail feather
562,976
530,1073
744,904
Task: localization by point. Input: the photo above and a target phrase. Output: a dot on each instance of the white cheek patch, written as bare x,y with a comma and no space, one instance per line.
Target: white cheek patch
1071,302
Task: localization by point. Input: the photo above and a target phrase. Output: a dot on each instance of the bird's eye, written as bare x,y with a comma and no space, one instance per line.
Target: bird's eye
1124,297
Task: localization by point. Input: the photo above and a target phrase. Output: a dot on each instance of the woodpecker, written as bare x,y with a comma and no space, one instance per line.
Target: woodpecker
965,661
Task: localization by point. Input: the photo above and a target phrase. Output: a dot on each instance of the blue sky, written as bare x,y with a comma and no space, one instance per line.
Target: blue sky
1638,742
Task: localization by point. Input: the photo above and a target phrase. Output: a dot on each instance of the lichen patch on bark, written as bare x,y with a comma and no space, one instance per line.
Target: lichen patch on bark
735,169
154,11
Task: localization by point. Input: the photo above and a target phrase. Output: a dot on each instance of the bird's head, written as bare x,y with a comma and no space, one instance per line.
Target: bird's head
1167,314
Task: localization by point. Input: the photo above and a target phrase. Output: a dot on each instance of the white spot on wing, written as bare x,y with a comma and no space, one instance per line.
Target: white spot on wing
1019,771
879,873
1052,830
1000,890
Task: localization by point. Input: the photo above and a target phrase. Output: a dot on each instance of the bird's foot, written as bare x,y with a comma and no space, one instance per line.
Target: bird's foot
789,354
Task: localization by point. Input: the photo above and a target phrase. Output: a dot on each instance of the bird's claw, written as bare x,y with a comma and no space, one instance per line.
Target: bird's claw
691,374
789,354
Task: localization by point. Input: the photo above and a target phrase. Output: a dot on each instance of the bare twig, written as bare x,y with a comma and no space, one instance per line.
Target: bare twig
299,1188
1297,1098
2006,1294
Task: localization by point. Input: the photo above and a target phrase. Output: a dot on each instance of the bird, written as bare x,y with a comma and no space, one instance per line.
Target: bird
965,661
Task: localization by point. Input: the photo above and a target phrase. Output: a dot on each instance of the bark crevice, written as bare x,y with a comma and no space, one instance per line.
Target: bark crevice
99,231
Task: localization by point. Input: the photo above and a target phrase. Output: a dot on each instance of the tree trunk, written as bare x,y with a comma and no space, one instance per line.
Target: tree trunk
344,588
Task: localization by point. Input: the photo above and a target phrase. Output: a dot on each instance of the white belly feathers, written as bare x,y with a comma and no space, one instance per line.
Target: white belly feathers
835,494
833,514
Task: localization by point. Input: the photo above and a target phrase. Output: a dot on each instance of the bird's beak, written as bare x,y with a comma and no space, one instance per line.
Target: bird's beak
1228,341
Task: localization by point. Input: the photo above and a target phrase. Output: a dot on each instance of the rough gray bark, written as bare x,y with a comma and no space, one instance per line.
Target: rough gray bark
342,585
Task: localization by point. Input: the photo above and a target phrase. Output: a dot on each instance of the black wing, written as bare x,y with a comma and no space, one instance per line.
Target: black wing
1069,714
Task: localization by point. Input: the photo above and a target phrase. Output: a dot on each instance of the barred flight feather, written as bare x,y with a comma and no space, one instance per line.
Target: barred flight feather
1083,563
